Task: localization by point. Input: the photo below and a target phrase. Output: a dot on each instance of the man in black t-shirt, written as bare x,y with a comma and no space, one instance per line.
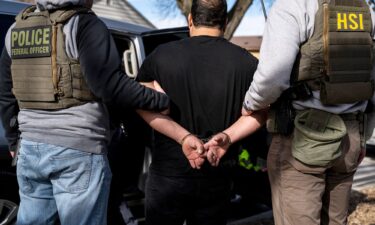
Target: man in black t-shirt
206,78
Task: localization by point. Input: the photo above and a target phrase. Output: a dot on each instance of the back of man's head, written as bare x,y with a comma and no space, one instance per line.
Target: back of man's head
209,13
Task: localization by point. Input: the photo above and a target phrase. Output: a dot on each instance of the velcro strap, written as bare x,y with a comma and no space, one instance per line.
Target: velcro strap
61,16
318,120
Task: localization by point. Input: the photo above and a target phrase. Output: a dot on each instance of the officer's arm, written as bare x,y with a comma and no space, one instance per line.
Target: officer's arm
280,46
100,64
8,103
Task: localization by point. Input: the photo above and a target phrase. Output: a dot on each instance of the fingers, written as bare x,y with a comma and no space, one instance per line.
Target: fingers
157,87
213,157
192,163
199,162
196,145
200,149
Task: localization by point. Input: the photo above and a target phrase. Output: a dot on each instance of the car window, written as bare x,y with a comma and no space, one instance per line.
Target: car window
6,22
122,44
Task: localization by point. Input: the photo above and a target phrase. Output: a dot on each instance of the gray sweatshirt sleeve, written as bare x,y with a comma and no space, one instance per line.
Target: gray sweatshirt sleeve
286,29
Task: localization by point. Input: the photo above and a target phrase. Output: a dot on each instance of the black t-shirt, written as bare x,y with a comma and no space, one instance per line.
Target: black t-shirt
206,79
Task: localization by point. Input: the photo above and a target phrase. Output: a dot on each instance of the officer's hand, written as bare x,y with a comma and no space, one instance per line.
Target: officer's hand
158,88
12,153
246,112
194,151
217,147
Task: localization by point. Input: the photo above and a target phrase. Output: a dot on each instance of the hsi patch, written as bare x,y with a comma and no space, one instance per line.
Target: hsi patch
350,22
31,42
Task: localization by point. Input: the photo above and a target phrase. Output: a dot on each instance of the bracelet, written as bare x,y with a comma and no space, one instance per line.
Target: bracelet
228,138
184,138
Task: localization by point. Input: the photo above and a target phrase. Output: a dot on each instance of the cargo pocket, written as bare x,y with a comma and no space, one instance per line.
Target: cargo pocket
317,137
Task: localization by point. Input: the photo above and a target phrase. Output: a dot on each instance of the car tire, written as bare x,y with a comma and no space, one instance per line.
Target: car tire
9,197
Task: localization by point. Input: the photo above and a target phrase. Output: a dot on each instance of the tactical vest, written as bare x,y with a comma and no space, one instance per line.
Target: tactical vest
338,58
43,75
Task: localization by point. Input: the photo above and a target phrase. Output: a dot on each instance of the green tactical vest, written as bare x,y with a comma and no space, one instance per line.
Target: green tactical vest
43,76
338,58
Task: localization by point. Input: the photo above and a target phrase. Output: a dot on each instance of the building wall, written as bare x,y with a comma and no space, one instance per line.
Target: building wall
120,10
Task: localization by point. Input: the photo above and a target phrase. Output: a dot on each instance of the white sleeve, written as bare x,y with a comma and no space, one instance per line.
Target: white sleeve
286,29
8,39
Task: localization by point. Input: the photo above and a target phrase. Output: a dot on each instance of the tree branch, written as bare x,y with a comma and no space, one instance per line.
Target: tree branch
235,16
184,6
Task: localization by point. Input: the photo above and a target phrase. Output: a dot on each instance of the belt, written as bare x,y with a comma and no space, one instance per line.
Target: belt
352,116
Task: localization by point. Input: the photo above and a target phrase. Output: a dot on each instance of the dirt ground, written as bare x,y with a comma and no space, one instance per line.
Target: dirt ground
362,207
361,211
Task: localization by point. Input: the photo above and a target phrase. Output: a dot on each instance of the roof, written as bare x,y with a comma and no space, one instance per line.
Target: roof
13,8
120,10
250,43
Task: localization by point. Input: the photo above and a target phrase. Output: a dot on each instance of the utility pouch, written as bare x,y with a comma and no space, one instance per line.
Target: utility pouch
317,137
342,93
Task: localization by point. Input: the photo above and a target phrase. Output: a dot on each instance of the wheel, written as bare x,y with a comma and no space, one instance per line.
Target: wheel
8,212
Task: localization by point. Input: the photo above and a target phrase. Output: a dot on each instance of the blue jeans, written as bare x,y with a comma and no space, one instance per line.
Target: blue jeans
62,182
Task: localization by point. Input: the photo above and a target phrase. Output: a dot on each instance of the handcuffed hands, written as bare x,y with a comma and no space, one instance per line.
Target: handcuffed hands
194,150
197,152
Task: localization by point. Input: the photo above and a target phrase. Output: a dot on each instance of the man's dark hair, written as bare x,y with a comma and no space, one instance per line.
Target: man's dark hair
209,13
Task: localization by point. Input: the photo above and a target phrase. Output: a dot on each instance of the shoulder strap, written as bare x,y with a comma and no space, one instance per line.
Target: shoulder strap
63,15
30,11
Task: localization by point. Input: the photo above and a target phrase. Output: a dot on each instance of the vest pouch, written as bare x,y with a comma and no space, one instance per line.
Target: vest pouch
33,83
317,137
344,93
81,90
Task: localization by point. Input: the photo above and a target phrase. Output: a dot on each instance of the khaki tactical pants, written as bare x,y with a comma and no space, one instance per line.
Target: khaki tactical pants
306,195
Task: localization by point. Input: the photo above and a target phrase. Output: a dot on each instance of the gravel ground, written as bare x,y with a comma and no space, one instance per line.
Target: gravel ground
361,211
362,207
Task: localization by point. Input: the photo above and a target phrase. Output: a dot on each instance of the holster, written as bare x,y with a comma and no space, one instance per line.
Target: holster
281,116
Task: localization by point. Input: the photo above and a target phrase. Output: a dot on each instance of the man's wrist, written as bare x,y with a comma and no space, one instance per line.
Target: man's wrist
183,139
245,107
228,139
